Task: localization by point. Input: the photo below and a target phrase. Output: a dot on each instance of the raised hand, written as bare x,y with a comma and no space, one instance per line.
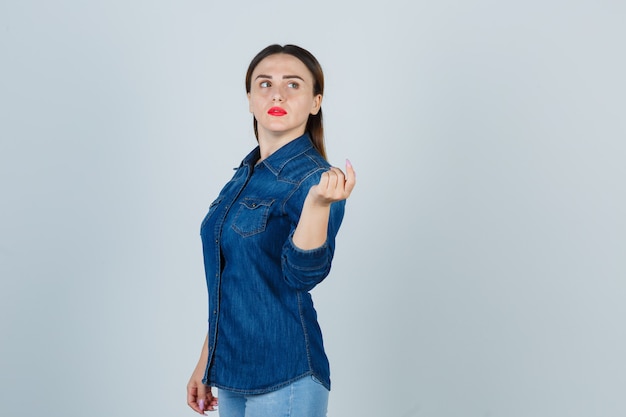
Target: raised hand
334,186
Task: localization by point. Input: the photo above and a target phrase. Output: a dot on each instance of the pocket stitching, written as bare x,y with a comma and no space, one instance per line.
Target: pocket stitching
253,205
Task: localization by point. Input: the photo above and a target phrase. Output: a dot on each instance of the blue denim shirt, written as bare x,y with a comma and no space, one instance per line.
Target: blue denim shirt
263,332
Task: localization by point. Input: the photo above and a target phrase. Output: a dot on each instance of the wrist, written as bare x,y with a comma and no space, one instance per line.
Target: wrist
314,201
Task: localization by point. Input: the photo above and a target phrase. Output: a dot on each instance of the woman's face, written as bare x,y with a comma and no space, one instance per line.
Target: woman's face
281,97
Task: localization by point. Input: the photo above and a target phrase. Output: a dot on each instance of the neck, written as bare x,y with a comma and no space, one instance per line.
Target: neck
270,142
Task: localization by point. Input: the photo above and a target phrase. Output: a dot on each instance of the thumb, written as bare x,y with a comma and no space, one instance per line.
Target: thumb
350,176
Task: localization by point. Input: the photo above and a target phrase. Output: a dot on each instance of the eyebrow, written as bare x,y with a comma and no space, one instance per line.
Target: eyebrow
285,77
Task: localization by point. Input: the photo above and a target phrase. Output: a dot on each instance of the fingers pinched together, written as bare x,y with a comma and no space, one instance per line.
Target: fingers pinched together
334,185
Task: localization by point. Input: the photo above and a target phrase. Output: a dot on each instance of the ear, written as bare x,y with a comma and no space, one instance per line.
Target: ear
317,104
249,103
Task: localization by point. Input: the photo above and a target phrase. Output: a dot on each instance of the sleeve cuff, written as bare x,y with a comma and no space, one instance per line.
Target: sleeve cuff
305,268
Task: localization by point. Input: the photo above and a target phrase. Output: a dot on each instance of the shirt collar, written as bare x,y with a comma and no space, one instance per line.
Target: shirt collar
277,161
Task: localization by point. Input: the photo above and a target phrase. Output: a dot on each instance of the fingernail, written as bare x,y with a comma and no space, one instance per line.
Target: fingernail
348,163
201,404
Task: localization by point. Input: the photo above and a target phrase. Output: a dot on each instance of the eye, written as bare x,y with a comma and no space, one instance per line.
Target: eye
265,84
293,84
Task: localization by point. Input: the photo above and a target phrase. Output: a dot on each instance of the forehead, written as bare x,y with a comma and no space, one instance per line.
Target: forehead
282,64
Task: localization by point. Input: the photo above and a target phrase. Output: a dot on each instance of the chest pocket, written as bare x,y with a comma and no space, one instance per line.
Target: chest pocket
251,217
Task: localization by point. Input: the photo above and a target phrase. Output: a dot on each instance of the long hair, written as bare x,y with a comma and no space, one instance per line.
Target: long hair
314,125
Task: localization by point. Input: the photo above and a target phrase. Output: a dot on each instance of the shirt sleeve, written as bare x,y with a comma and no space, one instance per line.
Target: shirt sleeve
304,269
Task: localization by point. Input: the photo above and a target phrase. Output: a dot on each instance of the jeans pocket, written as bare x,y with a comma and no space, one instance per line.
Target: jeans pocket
251,218
317,381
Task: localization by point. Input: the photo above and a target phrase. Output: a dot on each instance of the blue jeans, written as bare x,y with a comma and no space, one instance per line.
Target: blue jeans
304,398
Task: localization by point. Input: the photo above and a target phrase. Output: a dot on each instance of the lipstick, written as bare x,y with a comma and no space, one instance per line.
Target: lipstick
277,111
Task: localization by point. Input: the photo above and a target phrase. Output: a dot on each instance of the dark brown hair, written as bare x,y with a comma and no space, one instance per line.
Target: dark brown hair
314,125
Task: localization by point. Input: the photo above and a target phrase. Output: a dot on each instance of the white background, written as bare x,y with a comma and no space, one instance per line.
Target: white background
481,267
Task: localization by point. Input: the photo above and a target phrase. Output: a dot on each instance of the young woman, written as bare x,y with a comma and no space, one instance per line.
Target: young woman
268,239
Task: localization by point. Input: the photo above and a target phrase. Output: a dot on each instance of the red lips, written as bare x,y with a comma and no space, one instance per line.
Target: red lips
277,111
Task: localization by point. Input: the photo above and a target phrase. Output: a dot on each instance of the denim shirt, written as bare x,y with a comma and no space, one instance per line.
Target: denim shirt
263,332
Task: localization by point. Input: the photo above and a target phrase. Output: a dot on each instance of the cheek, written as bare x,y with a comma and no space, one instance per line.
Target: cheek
258,97
255,100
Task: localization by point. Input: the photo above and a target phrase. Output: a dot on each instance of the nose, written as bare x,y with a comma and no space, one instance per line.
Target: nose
277,96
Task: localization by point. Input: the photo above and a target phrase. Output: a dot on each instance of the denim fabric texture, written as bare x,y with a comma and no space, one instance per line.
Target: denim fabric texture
304,398
263,332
